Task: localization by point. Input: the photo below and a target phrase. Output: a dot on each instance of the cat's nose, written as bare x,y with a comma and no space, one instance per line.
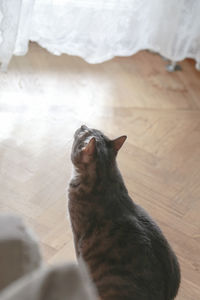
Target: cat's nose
83,127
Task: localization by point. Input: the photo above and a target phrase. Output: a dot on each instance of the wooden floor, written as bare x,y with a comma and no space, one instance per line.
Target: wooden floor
44,98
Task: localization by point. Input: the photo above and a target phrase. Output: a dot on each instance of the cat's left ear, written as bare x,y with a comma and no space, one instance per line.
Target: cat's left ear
88,150
118,142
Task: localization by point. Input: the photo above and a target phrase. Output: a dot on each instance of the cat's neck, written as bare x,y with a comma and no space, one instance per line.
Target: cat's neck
83,180
96,177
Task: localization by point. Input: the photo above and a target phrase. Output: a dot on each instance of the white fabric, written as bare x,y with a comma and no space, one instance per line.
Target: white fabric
98,30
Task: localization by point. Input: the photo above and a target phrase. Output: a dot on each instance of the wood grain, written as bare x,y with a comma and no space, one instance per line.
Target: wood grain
44,98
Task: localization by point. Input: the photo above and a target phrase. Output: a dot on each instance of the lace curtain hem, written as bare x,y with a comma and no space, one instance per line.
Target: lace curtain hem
98,31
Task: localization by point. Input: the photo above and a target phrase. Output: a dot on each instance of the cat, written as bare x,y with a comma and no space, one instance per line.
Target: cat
127,255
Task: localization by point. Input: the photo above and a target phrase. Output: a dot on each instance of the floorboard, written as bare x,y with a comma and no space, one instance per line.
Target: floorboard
44,98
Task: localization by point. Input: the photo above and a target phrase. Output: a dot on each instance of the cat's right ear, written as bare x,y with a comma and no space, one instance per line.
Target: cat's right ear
118,142
88,151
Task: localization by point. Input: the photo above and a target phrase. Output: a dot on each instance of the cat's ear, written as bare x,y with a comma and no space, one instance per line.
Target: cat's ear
88,150
118,142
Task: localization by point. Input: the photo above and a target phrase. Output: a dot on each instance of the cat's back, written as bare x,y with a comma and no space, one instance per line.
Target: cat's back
128,249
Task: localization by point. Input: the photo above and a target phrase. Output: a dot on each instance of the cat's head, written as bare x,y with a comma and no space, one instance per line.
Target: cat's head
91,146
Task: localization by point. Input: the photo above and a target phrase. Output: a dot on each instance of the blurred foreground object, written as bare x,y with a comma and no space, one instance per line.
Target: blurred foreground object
24,277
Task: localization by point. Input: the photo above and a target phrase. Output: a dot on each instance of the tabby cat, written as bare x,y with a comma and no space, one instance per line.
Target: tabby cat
125,251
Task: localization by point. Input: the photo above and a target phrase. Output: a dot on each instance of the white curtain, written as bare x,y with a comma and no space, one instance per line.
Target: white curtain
98,30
